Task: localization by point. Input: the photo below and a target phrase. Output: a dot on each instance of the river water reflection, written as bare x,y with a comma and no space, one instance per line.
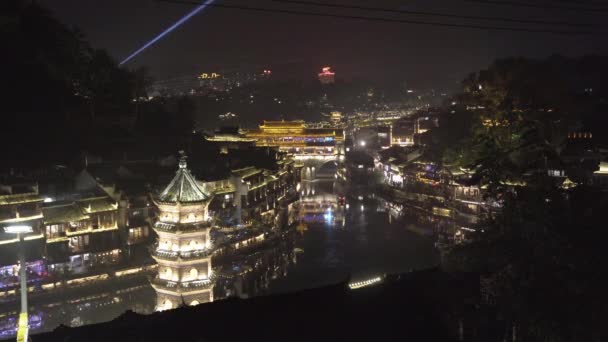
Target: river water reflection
336,233
357,239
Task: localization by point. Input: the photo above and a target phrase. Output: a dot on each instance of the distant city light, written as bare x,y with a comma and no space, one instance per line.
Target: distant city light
48,200
362,143
212,75
326,76
327,71
328,216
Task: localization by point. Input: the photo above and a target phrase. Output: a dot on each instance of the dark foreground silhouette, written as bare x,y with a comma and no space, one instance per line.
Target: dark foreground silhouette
416,306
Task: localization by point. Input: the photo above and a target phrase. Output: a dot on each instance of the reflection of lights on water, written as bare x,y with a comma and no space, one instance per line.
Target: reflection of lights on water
347,206
362,207
8,328
328,216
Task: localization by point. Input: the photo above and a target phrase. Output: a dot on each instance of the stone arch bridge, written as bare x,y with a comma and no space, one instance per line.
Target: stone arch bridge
319,167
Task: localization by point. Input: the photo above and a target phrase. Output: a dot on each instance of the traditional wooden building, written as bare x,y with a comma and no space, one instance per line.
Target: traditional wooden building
20,204
295,138
250,193
184,248
82,235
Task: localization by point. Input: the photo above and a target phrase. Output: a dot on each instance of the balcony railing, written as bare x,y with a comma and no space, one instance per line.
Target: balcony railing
183,227
182,286
171,255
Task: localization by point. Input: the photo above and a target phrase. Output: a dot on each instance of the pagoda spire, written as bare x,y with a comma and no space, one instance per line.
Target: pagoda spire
183,188
183,159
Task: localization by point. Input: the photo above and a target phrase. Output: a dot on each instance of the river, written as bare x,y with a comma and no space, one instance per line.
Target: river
336,234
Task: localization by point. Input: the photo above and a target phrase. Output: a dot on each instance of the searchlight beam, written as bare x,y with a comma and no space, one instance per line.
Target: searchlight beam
168,30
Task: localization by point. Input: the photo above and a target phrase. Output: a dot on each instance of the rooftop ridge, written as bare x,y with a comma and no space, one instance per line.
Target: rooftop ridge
183,187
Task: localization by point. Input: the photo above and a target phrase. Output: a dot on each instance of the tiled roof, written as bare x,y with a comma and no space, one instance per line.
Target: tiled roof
63,213
98,204
246,172
284,124
183,188
19,198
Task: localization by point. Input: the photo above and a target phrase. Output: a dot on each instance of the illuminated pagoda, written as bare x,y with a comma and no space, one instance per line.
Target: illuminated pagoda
184,250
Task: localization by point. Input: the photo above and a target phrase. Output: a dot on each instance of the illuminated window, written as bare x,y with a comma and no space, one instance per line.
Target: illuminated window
193,274
54,230
78,243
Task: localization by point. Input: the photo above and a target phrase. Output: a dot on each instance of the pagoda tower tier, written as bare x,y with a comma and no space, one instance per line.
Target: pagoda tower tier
183,250
169,298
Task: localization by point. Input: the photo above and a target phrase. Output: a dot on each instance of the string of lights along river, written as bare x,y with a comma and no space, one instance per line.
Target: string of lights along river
333,235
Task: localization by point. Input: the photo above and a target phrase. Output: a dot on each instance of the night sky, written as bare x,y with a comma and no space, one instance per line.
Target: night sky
293,46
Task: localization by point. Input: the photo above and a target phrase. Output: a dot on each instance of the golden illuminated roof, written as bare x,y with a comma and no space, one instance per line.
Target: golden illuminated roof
228,138
283,124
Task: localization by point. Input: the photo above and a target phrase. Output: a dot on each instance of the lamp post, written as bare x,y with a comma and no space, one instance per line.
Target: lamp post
22,329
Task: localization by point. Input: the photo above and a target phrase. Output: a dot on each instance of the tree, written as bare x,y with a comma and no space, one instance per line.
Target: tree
61,88
539,247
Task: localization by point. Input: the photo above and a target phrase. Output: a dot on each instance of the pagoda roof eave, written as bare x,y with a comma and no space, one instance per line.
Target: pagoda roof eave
182,203
183,188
